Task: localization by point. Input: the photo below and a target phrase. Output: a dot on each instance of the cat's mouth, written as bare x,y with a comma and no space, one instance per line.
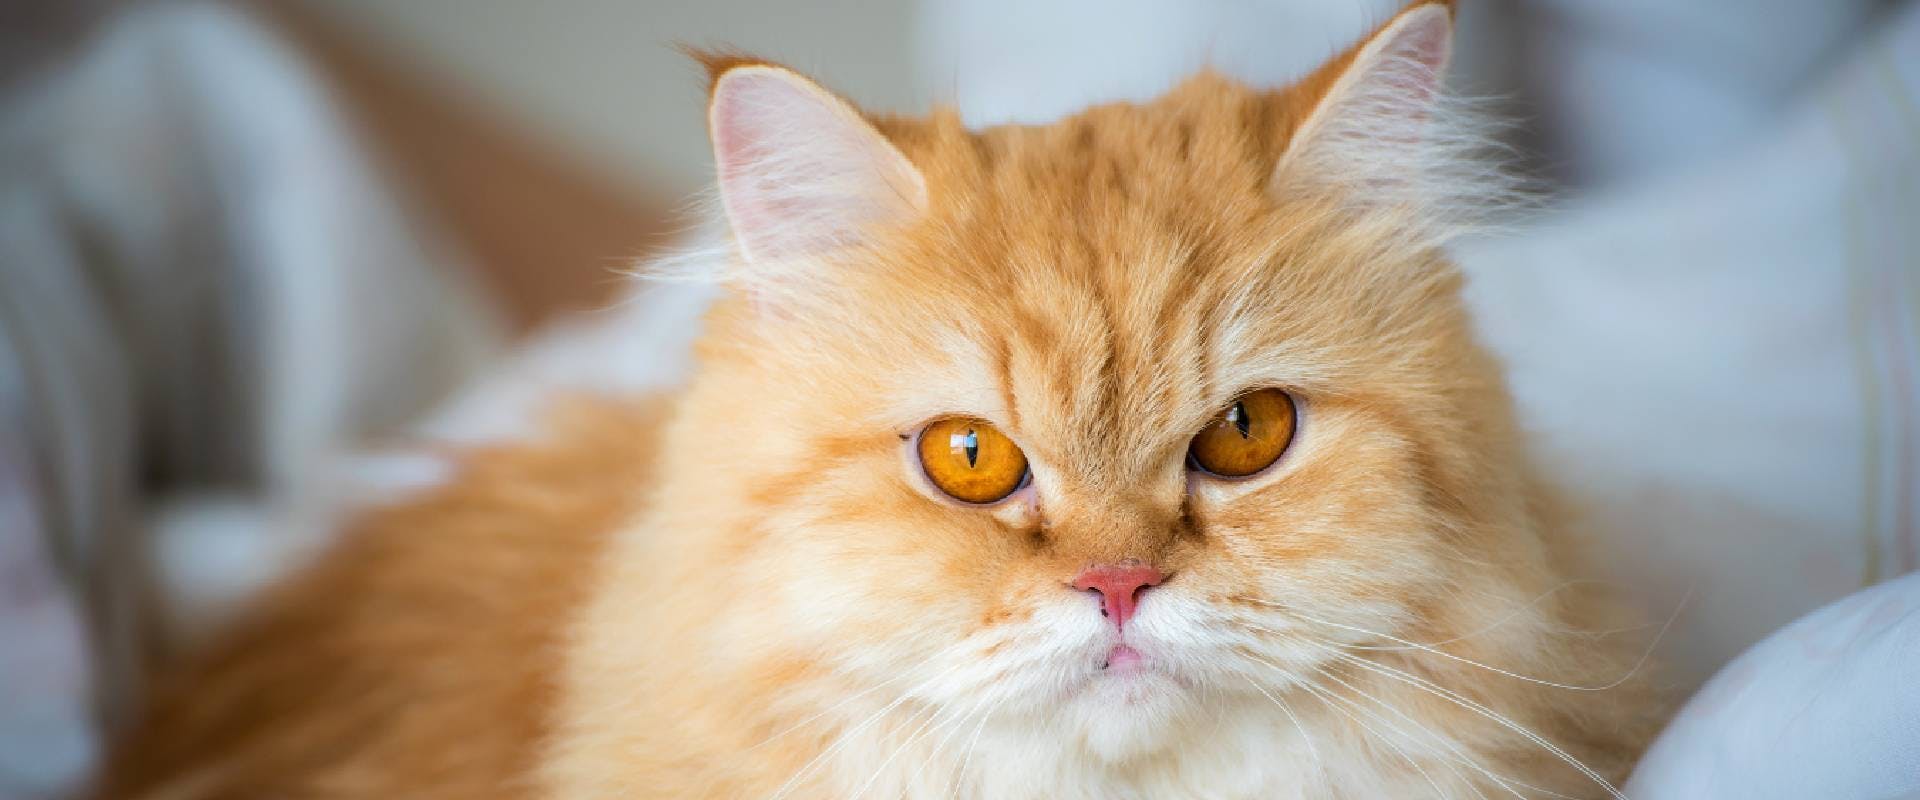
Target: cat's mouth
1123,660
1132,684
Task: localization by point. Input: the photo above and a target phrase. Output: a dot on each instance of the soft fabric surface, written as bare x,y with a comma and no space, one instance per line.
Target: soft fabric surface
1826,708
209,299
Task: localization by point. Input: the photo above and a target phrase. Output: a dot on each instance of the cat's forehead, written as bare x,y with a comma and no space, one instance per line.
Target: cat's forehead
1118,200
1209,141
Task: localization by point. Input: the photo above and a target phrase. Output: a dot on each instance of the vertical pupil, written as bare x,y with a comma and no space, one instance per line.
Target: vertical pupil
1238,416
970,442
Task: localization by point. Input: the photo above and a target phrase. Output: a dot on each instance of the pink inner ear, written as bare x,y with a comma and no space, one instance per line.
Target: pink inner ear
1369,128
1417,55
1371,135
799,170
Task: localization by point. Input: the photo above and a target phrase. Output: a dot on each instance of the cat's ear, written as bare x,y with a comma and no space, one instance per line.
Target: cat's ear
801,171
1370,127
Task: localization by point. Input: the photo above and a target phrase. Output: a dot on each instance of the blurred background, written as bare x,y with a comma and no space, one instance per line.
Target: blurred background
260,261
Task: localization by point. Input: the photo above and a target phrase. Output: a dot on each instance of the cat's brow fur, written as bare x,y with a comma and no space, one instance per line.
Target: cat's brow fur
771,601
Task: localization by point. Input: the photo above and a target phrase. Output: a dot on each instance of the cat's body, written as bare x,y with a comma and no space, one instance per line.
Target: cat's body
786,602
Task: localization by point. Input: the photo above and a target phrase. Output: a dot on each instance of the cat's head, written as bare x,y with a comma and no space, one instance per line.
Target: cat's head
1088,421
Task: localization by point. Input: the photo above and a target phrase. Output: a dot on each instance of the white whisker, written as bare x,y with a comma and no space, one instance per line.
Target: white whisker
1304,736
904,744
974,740
1637,666
1511,615
841,740
828,710
951,726
1469,704
1326,699
1444,742
1461,758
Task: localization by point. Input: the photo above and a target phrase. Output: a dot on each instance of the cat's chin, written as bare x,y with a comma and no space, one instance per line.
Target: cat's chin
1126,711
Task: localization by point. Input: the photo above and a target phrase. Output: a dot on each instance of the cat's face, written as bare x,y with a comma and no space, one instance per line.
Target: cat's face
1064,309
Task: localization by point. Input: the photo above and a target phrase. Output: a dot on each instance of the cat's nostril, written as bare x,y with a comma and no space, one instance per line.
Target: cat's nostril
1119,587
1098,597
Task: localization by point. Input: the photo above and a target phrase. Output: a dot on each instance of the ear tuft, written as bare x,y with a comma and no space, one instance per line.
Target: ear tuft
801,171
716,61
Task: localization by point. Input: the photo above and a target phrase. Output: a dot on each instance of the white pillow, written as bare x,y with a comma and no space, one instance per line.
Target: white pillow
1826,708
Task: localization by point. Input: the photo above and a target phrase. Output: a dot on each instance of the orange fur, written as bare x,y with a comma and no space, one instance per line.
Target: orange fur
417,659
795,611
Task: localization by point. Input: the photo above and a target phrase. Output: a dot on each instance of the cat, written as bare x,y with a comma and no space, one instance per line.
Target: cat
1148,453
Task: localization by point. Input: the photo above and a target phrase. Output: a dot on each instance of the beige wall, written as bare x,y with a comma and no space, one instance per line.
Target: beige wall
603,75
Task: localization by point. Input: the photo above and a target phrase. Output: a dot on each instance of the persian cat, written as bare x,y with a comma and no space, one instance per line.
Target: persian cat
1148,453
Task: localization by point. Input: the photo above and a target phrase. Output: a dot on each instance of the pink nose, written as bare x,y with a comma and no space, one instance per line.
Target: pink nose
1119,586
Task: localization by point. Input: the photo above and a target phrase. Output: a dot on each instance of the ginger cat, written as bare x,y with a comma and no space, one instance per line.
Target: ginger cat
1144,454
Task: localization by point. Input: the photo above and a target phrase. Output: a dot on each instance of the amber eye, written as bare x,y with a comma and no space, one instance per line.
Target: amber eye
971,460
1247,437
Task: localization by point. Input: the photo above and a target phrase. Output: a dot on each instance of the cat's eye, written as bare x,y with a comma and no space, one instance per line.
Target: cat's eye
1247,436
971,460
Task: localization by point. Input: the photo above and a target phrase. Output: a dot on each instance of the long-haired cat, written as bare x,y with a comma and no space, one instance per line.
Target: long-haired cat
1144,454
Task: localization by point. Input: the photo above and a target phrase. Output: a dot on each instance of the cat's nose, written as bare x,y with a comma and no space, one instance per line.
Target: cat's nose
1119,586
